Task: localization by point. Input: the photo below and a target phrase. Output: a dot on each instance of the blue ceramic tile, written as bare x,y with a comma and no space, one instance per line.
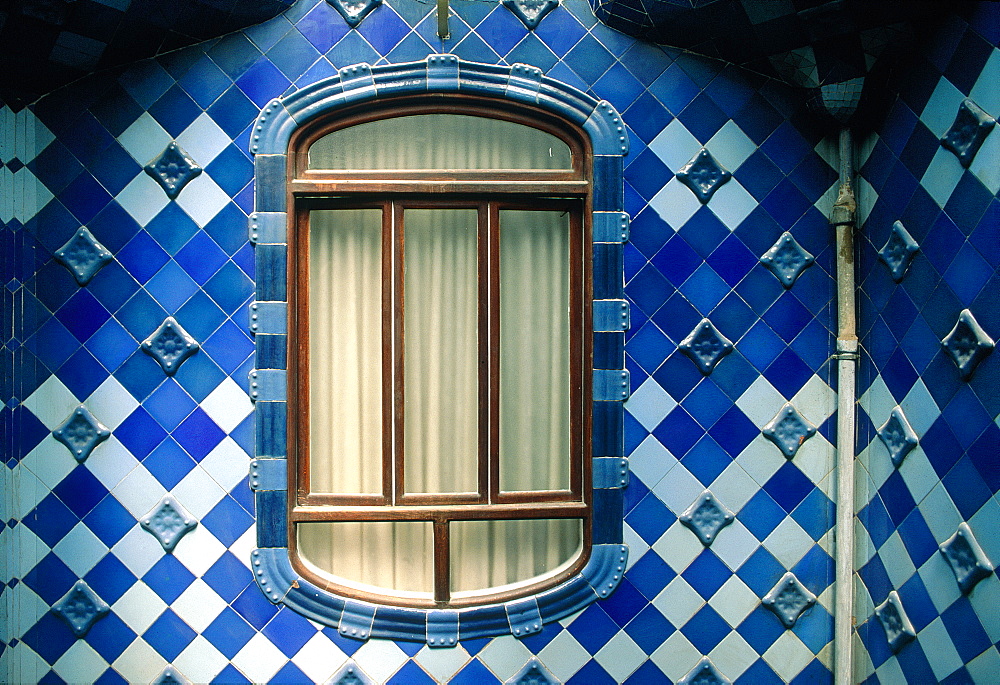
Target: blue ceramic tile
114,168
140,433
85,197
201,257
706,628
80,491
109,521
646,174
169,635
142,257
650,574
228,577
87,138
733,432
704,232
168,578
171,228
198,434
82,374
706,460
168,463
227,521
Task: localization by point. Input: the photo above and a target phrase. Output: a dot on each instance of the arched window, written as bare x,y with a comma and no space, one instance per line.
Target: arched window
433,437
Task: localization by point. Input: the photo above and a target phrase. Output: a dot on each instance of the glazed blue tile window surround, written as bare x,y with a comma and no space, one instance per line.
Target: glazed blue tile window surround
608,556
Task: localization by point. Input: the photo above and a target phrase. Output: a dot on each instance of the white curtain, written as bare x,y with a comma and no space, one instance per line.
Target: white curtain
439,141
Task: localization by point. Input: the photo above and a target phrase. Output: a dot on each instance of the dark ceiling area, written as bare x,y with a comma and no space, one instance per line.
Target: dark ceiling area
829,47
47,43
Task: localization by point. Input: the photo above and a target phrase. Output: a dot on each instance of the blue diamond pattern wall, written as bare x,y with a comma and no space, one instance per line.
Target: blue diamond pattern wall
929,433
77,157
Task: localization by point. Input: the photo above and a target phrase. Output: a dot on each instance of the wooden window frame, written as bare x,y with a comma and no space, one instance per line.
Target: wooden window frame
489,192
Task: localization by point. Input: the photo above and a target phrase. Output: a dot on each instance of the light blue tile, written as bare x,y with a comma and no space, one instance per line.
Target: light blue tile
731,146
985,93
732,204
939,112
939,649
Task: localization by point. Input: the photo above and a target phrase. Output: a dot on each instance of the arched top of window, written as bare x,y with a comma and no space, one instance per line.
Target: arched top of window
402,143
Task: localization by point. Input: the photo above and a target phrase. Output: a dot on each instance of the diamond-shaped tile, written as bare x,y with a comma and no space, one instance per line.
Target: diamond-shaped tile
788,430
788,599
354,11
966,557
706,517
533,673
967,134
706,346
704,673
171,676
530,12
81,433
83,255
81,607
898,436
787,259
170,345
898,251
168,522
350,674
703,175
898,629
968,344
173,169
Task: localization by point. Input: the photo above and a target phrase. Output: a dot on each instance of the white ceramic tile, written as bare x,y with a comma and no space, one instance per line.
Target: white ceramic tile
985,166
620,656
735,544
137,550
890,672
942,175
734,487
788,542
676,657
649,404
111,462
198,550
985,529
198,605
80,664
866,197
319,658
939,113
203,140
111,403
50,461
200,662
918,474
678,489
678,601
380,659
227,464
897,561
761,459
732,656
636,545
245,545
25,608
824,205
863,666
145,140
650,461
816,458
564,656
28,491
940,513
139,608
80,549
505,656
984,93
6,195
202,199
734,601
442,664
731,203
227,405
28,549
985,667
675,145
52,403
788,656
816,401
142,198
198,492
731,146
25,663
939,649
939,581
985,599
760,402
33,193
139,491
259,659
675,203
877,401
920,408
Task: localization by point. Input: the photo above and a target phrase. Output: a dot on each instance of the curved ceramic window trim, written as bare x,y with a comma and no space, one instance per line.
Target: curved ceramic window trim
270,139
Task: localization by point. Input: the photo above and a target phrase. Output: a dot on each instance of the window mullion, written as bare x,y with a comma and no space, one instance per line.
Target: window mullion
491,300
393,323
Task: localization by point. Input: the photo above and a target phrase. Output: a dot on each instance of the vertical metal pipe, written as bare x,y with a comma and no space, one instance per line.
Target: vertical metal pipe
442,16
843,219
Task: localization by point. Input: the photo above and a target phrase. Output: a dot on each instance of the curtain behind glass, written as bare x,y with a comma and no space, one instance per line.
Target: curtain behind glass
439,141
345,351
441,350
534,350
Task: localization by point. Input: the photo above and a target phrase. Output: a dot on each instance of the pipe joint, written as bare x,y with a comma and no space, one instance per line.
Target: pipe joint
845,208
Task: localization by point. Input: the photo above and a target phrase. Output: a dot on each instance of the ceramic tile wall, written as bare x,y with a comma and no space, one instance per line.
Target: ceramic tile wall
189,434
951,474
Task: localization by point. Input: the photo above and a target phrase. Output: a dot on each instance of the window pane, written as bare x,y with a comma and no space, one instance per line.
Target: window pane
439,141
492,554
345,351
440,364
534,350
389,555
